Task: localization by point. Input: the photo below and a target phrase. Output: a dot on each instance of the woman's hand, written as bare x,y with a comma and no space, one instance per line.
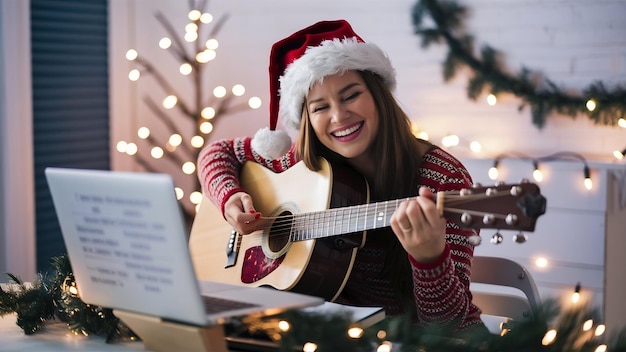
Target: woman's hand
419,227
240,213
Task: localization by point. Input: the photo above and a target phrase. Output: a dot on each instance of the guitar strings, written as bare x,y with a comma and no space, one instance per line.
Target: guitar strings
311,225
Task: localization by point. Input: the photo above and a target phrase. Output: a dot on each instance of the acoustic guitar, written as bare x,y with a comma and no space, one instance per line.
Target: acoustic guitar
317,221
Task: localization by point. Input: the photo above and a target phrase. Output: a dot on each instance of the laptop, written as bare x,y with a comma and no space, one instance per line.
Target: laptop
127,244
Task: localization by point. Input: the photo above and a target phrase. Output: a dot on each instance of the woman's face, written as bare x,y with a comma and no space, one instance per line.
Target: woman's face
343,115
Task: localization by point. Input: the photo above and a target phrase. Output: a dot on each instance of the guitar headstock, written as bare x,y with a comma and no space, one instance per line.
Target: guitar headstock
502,206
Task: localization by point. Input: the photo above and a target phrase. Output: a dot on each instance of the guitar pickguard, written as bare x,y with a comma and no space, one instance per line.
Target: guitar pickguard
257,265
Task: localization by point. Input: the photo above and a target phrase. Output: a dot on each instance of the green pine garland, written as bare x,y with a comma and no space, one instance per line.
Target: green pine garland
52,297
542,95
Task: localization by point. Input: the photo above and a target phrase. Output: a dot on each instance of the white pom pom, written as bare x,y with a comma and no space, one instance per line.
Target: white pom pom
271,144
475,240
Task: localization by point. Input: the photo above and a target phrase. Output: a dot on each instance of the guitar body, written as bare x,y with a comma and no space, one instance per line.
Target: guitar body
316,267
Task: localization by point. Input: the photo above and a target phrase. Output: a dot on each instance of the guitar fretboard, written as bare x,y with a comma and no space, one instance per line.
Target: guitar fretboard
340,221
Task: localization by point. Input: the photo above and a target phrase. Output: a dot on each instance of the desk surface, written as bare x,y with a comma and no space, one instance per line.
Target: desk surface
55,337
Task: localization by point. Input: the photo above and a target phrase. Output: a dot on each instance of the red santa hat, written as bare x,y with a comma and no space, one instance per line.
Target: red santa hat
304,59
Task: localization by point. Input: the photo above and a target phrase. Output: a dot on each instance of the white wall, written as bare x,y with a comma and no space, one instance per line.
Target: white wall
17,220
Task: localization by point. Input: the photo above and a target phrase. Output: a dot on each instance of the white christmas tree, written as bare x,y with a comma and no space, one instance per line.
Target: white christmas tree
202,111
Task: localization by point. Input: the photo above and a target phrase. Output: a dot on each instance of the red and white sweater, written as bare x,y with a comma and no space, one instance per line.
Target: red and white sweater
441,288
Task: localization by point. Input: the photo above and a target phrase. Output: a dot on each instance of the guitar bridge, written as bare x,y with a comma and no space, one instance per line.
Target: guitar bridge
232,249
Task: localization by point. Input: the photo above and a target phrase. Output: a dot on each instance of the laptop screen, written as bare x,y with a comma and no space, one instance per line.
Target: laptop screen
126,241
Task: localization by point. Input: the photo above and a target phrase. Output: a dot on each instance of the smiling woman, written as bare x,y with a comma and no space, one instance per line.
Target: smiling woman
336,89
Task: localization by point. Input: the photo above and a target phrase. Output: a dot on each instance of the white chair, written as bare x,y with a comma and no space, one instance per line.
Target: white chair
503,288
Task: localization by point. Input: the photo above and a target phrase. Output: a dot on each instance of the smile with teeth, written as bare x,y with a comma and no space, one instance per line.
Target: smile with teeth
348,131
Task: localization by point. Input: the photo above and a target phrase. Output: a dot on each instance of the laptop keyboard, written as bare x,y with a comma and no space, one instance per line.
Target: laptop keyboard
217,305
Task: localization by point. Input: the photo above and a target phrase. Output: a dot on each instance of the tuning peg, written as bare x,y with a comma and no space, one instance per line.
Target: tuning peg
496,238
511,219
516,191
520,238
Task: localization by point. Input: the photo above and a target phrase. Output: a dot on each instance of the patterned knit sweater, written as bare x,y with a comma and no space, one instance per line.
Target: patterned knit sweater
441,288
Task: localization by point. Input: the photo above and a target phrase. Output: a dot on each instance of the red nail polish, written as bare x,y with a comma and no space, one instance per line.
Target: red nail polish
252,211
258,215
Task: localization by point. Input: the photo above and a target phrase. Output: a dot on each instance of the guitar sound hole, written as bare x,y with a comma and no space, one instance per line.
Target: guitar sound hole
279,232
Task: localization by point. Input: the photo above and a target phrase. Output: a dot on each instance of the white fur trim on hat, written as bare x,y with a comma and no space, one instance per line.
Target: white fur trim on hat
271,144
328,58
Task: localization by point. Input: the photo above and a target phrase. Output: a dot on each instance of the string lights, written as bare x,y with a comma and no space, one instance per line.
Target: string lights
493,172
185,137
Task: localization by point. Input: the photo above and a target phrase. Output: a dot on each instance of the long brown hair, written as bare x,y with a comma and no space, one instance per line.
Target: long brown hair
398,152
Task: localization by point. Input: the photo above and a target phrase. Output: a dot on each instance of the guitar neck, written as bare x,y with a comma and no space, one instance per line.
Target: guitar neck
512,207
340,221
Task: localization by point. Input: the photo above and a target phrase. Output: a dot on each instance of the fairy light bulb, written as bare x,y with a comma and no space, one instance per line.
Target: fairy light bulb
355,332
309,347
549,337
587,325
206,18
212,44
619,155
284,326
121,146
493,171
191,27
219,92
170,101
238,90
385,346
143,132
207,113
157,152
601,348
197,141
185,69
537,174
492,99
621,122
175,139
206,127
191,36
134,75
541,262
194,15
131,149
450,140
189,168
476,147
165,43
576,294
591,105
131,54
195,197
254,102
588,183
205,56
